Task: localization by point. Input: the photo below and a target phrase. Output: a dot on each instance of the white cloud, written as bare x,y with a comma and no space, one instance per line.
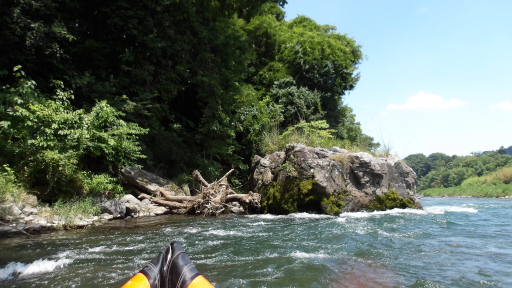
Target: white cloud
505,106
423,100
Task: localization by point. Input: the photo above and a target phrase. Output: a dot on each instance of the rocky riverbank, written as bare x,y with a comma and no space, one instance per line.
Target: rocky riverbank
300,179
31,217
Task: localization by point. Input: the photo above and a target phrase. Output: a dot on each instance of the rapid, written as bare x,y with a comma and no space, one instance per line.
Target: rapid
453,242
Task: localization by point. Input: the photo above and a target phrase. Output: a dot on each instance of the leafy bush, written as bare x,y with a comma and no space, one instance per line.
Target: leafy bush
10,189
49,143
100,183
500,176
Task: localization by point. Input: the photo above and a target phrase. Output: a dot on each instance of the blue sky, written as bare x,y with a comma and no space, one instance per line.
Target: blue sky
437,75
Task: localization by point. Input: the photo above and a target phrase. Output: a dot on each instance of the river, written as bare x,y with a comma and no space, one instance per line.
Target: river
453,242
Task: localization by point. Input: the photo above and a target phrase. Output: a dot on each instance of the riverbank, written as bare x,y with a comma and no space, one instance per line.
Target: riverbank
485,191
29,216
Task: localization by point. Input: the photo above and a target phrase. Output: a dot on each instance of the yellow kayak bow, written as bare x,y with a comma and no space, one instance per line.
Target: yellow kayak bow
170,269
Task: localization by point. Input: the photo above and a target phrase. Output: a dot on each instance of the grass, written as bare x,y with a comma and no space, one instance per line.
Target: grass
501,176
343,158
314,134
490,191
69,214
384,151
10,190
495,184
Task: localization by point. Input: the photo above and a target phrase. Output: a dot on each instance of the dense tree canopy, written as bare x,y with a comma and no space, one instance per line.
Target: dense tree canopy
440,170
204,79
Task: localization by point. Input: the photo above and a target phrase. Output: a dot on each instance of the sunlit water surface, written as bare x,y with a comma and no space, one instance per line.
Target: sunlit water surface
453,242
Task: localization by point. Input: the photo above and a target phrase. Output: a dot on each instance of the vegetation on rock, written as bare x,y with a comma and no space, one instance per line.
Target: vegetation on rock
290,196
333,204
390,200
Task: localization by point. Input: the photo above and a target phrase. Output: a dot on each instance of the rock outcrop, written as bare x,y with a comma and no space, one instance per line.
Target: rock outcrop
306,179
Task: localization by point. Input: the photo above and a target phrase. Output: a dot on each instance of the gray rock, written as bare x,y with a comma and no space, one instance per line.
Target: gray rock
358,178
30,211
106,216
132,204
150,183
128,198
159,210
114,207
10,209
30,200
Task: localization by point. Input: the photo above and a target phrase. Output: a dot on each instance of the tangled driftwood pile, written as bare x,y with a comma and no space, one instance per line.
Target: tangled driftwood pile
211,200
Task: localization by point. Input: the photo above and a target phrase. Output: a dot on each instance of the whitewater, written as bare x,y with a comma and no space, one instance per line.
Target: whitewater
452,242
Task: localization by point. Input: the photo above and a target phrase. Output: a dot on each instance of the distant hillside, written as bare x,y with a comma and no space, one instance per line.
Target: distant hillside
508,151
439,170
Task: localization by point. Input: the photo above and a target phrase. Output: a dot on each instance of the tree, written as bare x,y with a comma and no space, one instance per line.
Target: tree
419,163
204,78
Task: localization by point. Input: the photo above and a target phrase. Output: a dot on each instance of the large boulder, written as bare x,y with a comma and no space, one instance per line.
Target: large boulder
150,183
307,179
114,207
137,208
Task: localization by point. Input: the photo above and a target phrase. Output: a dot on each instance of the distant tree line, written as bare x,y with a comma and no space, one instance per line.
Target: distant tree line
440,170
171,85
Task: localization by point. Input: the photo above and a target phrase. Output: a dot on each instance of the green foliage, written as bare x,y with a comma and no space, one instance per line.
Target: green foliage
10,189
478,190
48,142
419,163
439,170
100,184
333,204
316,134
308,133
296,104
208,80
291,196
70,213
500,176
390,200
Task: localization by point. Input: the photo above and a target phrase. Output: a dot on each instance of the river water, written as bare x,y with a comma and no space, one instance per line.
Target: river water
453,242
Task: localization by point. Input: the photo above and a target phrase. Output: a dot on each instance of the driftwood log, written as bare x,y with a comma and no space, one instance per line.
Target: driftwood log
213,198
